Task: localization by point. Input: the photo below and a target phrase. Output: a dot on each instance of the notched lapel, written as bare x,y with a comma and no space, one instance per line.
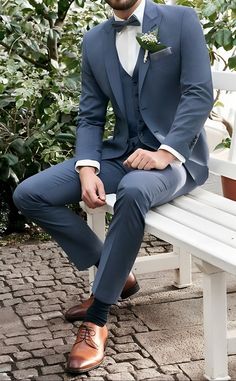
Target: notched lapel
112,64
151,21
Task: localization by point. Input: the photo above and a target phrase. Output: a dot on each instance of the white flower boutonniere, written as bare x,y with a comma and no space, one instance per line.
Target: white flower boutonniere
150,43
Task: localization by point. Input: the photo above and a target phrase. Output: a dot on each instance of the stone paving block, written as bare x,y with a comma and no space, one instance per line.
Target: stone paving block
5,296
108,360
54,369
25,373
144,364
22,355
100,371
43,352
4,290
123,339
51,315
41,336
23,293
129,347
127,356
172,346
144,374
170,369
36,331
53,343
121,367
181,377
62,334
29,363
5,377
64,348
55,359
11,302
44,283
120,377
16,340
53,377
8,350
31,346
32,322
174,315
5,368
193,370
5,359
33,298
54,307
61,327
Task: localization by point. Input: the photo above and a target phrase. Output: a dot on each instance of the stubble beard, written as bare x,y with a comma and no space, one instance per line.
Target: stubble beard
121,5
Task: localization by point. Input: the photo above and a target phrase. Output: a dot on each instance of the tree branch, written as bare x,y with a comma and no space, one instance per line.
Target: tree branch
28,59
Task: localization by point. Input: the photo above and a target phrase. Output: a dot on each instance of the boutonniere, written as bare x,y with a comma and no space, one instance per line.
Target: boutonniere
150,43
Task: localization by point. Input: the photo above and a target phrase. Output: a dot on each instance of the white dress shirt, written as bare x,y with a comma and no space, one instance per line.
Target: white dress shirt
128,48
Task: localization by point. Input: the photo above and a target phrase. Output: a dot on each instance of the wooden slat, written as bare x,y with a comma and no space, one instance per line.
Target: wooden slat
212,199
208,249
198,224
210,213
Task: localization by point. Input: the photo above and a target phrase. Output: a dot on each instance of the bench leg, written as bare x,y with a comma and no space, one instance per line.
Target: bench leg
184,272
215,324
96,221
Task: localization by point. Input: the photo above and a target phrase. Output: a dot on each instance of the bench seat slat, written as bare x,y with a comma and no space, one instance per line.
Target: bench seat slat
215,200
206,248
199,224
210,213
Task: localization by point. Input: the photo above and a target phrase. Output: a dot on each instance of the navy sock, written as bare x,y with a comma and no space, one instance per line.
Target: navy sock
98,312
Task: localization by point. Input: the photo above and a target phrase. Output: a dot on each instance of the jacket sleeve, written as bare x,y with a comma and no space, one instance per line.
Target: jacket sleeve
196,99
92,114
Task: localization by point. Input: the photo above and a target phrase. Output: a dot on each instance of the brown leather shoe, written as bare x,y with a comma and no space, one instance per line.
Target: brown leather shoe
88,351
78,312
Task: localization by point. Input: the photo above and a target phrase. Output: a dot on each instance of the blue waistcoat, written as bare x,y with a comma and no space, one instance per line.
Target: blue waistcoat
139,134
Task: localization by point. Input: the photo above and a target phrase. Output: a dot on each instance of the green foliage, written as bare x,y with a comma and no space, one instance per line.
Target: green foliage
226,143
218,18
40,55
40,58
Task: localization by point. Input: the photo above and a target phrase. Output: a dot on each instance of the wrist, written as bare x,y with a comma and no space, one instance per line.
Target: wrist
167,156
85,170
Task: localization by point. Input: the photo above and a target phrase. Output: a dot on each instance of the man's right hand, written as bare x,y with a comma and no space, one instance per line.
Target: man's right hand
93,192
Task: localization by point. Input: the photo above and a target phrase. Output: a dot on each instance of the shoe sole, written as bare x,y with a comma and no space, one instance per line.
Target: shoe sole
80,371
131,291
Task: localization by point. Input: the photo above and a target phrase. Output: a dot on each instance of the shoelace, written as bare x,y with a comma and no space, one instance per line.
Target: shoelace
85,334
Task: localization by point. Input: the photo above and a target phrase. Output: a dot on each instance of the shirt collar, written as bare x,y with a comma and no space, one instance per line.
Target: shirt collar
139,13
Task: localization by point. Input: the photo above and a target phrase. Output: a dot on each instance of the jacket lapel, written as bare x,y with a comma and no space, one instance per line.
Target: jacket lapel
151,21
112,64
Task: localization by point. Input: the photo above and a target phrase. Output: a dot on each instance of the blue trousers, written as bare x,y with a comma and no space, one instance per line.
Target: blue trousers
44,198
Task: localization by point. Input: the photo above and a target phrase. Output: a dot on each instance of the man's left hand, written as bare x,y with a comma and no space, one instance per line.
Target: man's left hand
147,160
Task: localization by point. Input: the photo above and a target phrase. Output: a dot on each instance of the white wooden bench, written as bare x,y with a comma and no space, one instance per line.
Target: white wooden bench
203,225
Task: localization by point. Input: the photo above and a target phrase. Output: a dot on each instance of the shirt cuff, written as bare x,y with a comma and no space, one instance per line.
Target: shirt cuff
179,158
87,163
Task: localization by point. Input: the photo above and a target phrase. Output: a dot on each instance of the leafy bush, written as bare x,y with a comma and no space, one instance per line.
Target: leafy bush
218,18
40,55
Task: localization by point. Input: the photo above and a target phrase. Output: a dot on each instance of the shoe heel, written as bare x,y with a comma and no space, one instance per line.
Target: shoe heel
131,291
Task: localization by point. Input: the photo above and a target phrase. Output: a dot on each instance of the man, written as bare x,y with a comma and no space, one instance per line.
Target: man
157,153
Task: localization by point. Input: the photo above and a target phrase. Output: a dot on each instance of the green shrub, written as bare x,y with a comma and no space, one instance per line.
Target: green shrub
40,57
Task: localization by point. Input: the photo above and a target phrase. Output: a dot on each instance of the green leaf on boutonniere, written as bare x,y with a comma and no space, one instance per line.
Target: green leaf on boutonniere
149,41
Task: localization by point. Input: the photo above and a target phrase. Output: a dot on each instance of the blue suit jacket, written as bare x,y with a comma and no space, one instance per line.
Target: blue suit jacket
175,90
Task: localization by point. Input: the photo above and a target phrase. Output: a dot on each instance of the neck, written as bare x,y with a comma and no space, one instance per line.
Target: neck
128,12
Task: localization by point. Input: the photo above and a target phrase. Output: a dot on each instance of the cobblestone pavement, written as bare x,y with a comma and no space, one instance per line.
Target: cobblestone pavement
156,335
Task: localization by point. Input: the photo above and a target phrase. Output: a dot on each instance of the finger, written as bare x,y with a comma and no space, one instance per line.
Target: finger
101,191
132,157
142,163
